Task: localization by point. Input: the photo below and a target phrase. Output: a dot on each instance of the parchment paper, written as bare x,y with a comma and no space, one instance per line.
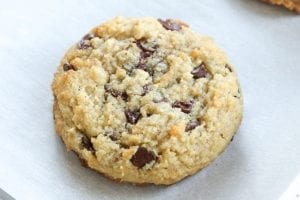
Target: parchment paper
261,41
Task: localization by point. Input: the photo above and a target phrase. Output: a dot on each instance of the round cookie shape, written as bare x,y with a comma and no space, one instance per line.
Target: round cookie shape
146,100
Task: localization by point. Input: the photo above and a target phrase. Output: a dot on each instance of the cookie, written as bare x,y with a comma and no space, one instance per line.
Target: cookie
146,100
290,4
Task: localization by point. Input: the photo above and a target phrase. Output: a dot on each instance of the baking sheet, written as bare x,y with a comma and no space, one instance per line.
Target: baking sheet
262,42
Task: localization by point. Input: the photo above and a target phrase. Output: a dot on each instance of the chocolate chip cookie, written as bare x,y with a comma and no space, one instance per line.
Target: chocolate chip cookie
290,4
146,100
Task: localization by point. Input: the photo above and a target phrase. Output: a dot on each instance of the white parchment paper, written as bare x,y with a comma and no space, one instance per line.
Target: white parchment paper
262,42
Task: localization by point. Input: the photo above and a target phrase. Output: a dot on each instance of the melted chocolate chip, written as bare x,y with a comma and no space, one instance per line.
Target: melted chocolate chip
133,116
142,156
86,143
185,106
170,25
68,66
140,44
144,54
199,72
146,89
116,93
191,125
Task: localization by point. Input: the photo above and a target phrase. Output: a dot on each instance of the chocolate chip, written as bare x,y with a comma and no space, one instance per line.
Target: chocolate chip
228,67
124,96
142,64
185,106
133,116
88,36
68,66
116,93
146,89
83,43
191,125
142,156
170,25
86,143
112,135
199,72
231,138
147,52
144,54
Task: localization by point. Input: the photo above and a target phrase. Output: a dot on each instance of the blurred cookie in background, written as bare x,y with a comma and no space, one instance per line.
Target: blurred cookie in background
290,4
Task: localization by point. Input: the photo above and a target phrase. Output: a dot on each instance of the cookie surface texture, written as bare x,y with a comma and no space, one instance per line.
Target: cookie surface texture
146,100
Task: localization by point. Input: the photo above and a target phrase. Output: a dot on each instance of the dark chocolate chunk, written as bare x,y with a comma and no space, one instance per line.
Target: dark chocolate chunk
170,25
124,96
146,89
86,143
68,66
116,93
228,67
191,125
199,72
133,116
142,156
185,106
